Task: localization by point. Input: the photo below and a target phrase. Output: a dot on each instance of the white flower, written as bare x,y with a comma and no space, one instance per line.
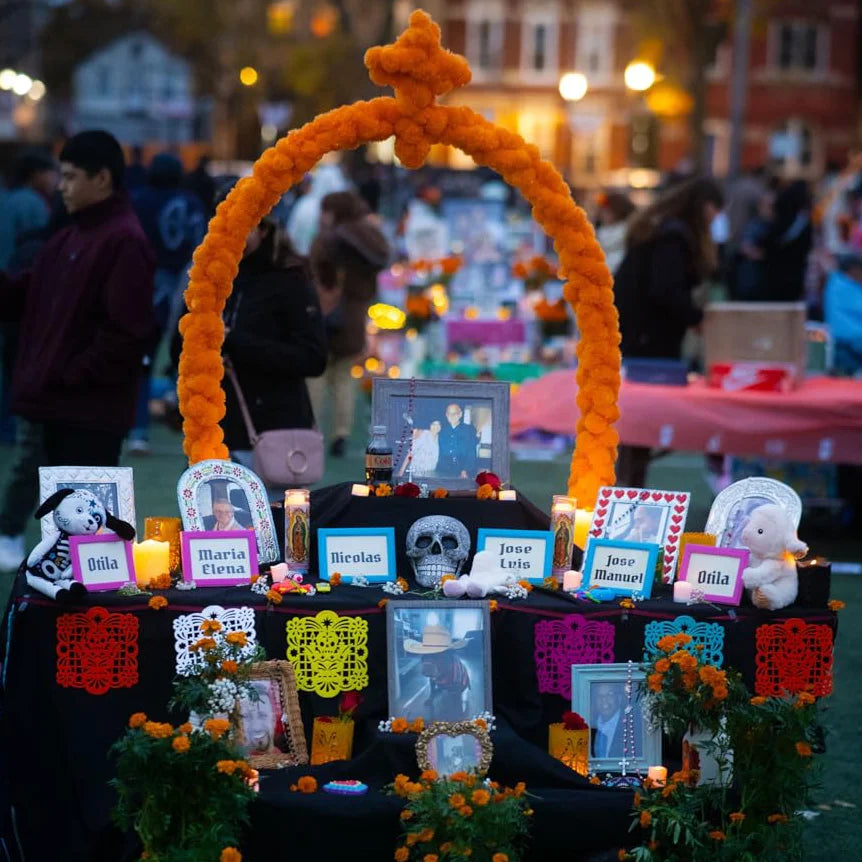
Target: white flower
488,718
385,726
260,586
223,695
516,591
393,587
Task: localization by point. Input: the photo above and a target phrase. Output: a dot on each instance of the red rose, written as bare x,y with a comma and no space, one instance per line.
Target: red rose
488,478
349,701
573,721
408,489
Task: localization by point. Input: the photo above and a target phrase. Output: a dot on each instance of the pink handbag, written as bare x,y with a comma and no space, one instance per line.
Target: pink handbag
286,456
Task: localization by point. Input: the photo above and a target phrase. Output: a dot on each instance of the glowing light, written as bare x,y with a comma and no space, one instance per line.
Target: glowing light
372,364
439,298
394,372
22,84
573,86
411,334
324,22
471,313
639,76
504,313
7,79
387,316
37,91
356,372
248,76
269,132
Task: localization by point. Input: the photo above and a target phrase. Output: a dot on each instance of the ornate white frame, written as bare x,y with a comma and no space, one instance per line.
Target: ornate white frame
261,513
50,478
755,486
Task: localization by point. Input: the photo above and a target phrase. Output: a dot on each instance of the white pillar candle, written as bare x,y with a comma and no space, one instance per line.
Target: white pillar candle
658,775
572,581
360,490
278,571
583,519
507,495
682,591
296,529
152,559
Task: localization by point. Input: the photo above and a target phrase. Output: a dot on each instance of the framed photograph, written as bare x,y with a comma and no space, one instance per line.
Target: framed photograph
353,552
732,508
269,729
219,495
716,572
444,432
223,558
624,567
643,515
439,659
527,554
599,694
114,486
460,746
101,562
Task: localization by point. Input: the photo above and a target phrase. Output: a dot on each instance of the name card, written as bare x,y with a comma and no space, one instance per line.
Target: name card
717,572
527,554
101,562
624,567
219,558
357,552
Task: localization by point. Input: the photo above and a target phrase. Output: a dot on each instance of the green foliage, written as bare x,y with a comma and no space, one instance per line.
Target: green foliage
183,807
446,815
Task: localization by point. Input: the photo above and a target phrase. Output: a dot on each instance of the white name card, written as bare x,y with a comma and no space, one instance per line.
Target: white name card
101,562
221,558
526,554
357,552
624,567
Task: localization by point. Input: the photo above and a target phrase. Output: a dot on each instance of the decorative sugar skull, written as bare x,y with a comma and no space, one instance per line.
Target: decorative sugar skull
437,545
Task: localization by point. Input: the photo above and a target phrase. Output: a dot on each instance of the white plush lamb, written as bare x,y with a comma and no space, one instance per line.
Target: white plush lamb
485,577
771,573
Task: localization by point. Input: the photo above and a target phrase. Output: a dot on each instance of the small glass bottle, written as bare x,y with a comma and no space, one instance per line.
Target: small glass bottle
378,458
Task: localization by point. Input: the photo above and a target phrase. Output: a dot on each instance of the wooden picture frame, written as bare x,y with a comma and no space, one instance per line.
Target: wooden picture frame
411,410
278,681
720,581
431,754
234,563
209,483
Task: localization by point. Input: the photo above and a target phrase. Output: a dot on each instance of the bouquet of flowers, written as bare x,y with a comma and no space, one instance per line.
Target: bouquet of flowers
534,272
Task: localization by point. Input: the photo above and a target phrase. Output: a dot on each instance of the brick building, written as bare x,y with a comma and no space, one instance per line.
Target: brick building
802,105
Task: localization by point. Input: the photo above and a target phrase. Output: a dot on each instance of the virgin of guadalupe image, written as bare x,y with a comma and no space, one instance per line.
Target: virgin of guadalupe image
298,536
562,546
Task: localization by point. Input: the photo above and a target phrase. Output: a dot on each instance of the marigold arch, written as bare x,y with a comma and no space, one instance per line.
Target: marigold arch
419,70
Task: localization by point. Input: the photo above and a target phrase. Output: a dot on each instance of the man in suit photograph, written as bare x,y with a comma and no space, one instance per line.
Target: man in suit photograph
457,445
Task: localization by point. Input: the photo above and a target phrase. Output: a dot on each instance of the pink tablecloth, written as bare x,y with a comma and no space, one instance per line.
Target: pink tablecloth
821,421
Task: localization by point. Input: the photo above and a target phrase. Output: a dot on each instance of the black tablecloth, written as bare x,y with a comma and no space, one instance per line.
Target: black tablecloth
55,740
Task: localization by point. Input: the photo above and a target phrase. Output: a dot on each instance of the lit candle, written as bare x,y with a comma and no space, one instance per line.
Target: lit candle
583,519
657,775
507,495
296,529
563,528
278,571
360,490
572,581
152,559
693,539
682,591
166,530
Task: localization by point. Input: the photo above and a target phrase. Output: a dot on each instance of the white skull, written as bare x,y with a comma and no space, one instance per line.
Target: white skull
437,545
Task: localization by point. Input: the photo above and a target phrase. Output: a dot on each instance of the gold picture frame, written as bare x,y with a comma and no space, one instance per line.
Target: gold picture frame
261,717
432,754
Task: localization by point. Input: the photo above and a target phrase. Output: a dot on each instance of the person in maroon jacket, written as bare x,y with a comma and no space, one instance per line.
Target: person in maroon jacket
86,312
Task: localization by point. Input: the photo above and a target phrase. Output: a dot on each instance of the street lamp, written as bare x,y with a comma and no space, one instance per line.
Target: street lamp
639,76
7,79
22,84
573,86
37,91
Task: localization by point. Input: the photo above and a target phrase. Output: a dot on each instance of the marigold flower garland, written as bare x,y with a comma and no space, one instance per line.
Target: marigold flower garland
419,70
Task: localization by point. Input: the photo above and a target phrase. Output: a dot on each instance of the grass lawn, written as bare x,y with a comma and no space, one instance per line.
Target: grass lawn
836,829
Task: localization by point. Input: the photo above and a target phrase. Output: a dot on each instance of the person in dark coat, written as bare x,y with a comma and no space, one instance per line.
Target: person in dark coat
346,257
274,338
669,252
86,317
789,244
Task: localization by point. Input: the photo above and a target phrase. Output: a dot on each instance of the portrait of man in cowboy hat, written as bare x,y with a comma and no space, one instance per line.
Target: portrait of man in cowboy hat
447,675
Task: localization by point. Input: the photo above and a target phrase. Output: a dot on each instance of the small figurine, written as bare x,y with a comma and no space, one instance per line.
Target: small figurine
485,577
771,573
76,513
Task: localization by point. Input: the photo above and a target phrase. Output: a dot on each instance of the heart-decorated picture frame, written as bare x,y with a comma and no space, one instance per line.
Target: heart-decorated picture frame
643,515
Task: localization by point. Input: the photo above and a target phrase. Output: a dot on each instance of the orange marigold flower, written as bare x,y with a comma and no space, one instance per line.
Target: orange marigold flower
417,725
777,818
430,857
737,817
402,854
480,722
228,767
480,797
622,854
382,603
667,791
403,584
180,744
426,835
335,579
803,699
594,779
399,725
447,577
757,701
654,681
836,605
465,811
500,857
274,596
520,788
666,644
526,585
157,729
439,494
637,800
551,583
383,490
628,604
205,644
229,666
662,665
645,819
429,775
254,579
684,659
210,627
803,749
457,800
216,727
239,639
184,728
485,492
306,784
230,854
137,719
493,605
717,835
407,814
158,602
446,846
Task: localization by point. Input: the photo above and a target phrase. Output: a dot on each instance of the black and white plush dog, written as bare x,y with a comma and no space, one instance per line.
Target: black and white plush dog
76,513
